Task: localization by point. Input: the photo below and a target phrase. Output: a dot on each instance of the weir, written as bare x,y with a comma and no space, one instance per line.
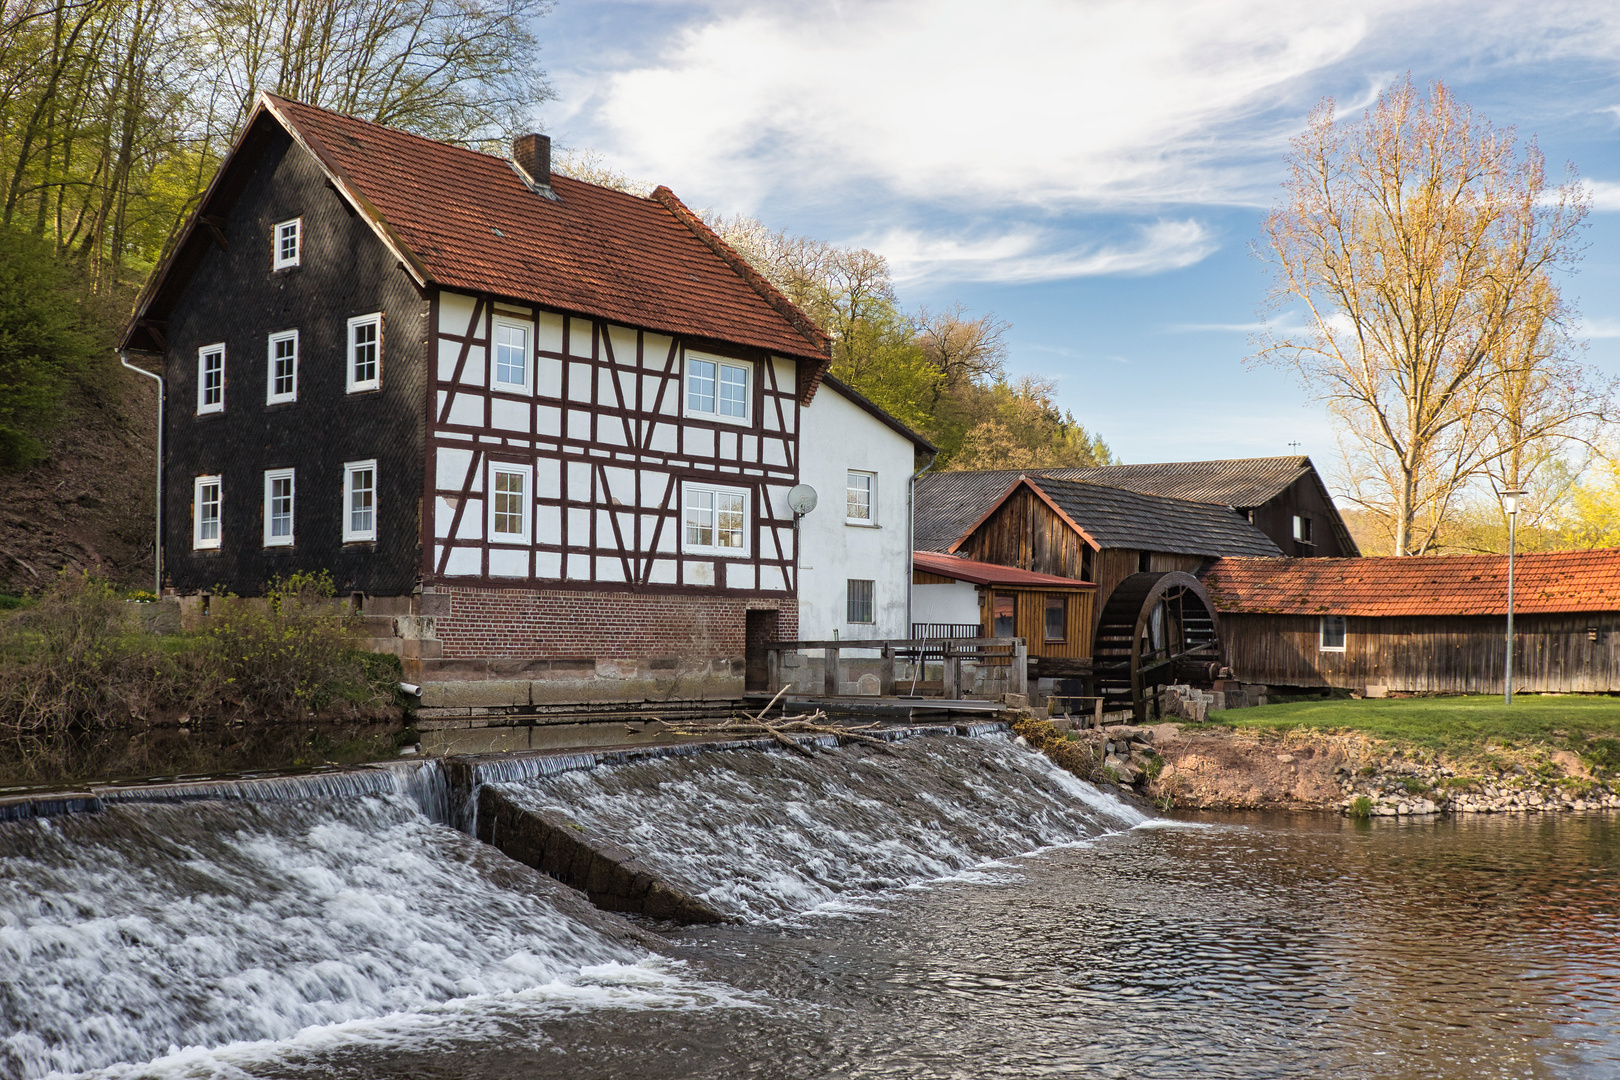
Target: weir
140,917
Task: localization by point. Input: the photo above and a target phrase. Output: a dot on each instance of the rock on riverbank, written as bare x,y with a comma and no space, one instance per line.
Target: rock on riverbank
1187,767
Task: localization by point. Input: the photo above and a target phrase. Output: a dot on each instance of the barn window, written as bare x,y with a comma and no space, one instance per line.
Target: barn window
1005,616
211,379
860,492
1332,633
278,507
509,503
1302,528
716,388
1057,617
365,353
205,512
862,607
283,384
715,520
289,244
359,501
511,356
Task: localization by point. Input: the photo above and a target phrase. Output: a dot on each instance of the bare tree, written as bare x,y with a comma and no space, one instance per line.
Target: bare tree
1418,241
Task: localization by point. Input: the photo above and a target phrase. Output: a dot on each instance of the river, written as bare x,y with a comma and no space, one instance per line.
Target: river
1230,946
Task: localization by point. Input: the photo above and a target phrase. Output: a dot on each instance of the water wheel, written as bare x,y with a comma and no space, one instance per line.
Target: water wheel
1156,628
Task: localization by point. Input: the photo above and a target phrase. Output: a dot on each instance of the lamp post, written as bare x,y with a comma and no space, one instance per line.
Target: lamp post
1510,505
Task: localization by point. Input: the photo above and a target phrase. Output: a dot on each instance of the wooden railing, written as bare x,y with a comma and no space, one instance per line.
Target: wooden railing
1011,653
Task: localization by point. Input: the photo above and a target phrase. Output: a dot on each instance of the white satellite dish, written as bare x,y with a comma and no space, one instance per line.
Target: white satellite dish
802,499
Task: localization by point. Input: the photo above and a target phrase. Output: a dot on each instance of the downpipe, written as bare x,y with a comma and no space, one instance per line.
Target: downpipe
157,497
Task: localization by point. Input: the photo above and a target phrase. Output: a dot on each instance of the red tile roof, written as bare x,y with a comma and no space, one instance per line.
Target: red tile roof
466,220
983,573
1544,583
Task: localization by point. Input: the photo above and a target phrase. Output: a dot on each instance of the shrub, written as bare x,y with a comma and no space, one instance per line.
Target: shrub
296,650
1361,807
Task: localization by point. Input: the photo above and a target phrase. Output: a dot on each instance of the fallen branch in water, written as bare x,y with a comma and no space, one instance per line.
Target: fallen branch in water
781,730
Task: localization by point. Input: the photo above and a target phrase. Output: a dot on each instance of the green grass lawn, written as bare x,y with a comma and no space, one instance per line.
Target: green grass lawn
1460,724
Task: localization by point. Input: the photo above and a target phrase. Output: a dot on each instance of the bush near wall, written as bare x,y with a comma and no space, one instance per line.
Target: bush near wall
76,659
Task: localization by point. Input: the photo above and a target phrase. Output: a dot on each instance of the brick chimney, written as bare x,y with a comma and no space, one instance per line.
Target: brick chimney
532,153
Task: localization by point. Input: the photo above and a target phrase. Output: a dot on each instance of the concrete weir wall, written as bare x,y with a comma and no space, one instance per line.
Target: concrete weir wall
607,873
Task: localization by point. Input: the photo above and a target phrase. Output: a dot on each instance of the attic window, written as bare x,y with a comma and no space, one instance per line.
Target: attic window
717,388
1302,528
289,243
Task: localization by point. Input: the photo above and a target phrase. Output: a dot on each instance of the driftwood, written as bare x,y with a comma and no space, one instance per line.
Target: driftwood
781,730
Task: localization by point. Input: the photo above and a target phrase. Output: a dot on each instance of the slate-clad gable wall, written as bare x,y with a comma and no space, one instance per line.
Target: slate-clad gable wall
236,297
1276,520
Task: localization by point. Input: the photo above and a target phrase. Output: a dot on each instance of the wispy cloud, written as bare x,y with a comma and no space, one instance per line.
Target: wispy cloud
1030,255
1599,328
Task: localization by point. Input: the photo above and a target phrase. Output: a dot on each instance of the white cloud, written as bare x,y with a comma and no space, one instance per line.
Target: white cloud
1605,194
1031,255
1599,328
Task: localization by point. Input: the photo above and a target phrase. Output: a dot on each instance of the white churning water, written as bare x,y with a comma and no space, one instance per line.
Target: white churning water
765,835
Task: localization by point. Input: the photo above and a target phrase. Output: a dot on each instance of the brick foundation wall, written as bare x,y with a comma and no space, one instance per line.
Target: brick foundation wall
482,623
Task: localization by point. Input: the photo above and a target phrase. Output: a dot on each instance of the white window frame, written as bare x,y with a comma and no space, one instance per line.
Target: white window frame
1321,634
526,386
278,261
270,395
270,478
720,363
870,520
198,542
520,539
742,552
849,601
351,535
204,406
355,386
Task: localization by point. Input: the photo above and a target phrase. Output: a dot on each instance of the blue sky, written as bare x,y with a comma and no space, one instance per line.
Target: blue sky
1094,173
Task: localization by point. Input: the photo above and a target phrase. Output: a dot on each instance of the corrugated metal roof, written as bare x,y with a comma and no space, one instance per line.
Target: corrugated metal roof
983,573
1544,583
1241,482
1116,518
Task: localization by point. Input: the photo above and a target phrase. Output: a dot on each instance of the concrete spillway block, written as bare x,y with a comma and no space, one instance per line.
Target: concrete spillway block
604,871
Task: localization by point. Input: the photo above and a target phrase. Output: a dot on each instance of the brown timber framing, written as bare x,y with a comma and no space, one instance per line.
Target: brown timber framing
608,421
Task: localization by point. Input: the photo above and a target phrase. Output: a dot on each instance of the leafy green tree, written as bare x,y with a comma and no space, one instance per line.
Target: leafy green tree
44,340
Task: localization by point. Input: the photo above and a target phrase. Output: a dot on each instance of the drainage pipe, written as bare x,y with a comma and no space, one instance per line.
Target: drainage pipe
911,538
157,498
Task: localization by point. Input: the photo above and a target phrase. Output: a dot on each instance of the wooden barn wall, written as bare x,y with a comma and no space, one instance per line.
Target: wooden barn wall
237,298
1024,532
1276,520
1030,617
1453,654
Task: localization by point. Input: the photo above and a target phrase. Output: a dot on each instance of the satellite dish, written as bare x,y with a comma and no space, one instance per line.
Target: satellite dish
802,499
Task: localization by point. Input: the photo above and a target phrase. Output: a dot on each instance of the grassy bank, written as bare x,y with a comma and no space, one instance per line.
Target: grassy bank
1457,726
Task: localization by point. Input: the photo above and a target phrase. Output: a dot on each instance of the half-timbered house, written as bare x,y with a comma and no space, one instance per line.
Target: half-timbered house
1429,624
543,431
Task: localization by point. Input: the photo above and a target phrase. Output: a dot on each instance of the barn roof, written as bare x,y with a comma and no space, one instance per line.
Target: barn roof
1115,518
466,220
983,573
1544,583
950,503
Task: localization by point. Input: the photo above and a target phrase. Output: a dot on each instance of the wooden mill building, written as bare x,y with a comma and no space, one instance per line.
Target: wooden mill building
1422,624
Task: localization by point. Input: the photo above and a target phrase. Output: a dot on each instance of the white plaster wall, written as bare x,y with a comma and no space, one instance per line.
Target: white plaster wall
835,436
957,602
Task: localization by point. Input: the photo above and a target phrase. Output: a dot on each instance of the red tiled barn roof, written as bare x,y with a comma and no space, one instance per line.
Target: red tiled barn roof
983,573
1544,583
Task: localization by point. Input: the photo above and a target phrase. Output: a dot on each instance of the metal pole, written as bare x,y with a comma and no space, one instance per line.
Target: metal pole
1507,685
157,502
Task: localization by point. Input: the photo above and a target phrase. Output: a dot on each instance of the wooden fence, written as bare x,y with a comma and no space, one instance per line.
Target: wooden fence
951,653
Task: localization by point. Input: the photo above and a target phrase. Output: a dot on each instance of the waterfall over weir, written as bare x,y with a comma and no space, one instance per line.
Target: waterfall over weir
154,923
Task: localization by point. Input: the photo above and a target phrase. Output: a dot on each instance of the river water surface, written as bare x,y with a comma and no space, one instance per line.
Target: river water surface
1235,946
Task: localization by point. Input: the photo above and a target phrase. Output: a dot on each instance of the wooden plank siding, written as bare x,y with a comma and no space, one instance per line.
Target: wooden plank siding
1436,654
1024,532
1030,619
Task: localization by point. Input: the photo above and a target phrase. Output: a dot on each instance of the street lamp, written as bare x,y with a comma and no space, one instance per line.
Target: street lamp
1510,505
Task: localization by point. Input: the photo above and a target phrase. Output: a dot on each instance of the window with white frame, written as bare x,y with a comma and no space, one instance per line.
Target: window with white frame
289,243
211,379
278,507
509,503
715,520
283,384
861,606
365,352
206,504
860,498
1331,635
717,388
512,368
359,501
